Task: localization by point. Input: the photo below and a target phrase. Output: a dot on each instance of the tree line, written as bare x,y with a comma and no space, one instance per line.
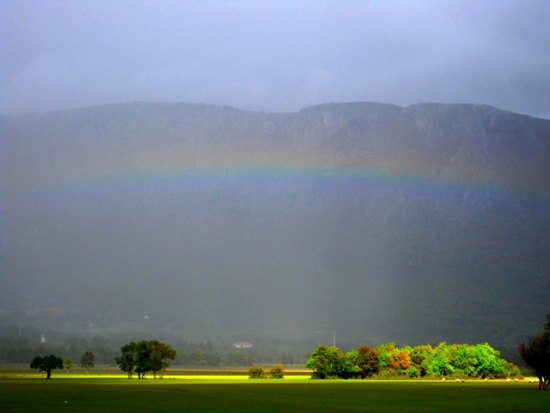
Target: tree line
444,360
388,360
384,361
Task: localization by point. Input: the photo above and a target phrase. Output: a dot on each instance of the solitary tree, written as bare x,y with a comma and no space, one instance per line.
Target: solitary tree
536,354
87,361
47,364
68,363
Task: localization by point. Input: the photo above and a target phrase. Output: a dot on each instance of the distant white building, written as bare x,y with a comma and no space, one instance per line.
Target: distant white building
43,338
242,344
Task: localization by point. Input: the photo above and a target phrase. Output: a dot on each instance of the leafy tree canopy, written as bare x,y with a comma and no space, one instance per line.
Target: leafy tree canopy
87,361
459,360
68,363
47,364
536,354
325,361
144,356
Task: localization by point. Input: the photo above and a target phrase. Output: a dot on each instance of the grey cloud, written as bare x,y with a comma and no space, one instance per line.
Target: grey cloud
275,55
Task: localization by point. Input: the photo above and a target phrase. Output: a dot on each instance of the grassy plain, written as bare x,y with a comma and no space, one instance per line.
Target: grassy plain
230,393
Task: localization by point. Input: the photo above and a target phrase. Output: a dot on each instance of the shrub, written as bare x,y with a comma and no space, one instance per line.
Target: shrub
256,372
514,370
277,372
413,372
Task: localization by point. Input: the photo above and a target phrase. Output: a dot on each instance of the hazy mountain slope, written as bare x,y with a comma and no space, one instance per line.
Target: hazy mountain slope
412,224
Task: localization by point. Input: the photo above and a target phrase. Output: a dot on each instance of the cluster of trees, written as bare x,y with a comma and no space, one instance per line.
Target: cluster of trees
144,356
387,360
536,354
140,357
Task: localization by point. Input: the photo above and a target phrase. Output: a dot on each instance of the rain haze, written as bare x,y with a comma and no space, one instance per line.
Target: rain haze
280,174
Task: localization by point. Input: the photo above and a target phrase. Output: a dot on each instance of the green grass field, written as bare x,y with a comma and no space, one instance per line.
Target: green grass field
236,394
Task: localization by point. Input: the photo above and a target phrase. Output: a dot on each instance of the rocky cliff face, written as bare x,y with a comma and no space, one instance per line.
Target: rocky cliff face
412,224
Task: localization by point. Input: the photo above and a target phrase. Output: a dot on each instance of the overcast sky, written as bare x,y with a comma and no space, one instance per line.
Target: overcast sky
274,55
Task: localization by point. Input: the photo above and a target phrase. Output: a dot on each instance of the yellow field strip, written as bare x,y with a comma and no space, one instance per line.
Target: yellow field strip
194,377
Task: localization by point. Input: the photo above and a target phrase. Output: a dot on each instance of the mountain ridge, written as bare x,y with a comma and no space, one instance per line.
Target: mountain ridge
304,108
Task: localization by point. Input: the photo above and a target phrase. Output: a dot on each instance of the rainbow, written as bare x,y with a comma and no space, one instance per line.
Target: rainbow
197,166
276,178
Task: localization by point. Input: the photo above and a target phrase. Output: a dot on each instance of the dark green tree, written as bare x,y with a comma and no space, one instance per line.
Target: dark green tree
536,354
325,361
421,357
127,360
157,353
87,361
442,360
68,363
47,364
141,365
347,365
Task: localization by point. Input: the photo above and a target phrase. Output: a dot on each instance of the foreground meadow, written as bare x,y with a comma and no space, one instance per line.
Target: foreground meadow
237,394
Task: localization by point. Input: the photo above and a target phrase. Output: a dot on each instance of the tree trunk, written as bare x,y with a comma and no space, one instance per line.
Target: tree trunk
48,374
543,382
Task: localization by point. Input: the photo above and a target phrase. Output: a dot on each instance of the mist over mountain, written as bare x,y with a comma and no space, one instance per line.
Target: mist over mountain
414,224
